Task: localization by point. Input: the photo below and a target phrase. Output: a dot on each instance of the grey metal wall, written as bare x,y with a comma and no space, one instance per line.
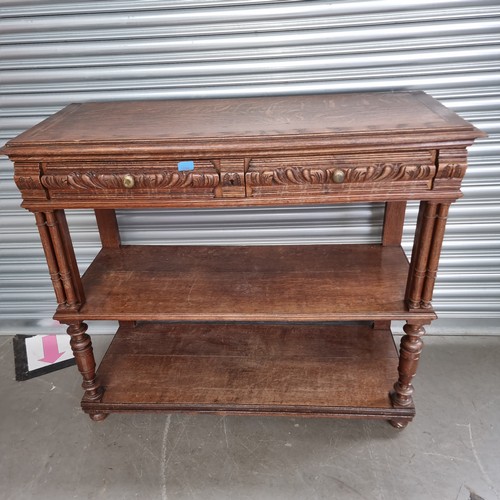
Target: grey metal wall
56,52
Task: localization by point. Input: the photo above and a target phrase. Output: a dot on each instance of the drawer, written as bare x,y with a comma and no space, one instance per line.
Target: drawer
397,172
135,179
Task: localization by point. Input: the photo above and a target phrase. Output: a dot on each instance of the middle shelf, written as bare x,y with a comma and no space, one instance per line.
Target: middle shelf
246,283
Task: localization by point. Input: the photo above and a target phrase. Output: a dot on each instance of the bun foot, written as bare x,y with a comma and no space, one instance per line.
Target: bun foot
97,417
399,424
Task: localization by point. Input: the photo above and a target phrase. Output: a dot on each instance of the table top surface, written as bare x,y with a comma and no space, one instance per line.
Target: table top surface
276,116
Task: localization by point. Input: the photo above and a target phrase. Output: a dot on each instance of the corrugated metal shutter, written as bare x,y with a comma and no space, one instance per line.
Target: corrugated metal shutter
55,52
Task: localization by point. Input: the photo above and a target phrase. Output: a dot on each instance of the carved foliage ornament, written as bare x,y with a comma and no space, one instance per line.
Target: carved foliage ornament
452,171
161,180
232,179
24,183
27,176
372,173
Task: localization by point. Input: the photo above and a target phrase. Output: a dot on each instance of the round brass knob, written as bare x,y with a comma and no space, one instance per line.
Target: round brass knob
128,181
338,176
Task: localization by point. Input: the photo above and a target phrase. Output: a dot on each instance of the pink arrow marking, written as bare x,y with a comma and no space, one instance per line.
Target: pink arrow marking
50,349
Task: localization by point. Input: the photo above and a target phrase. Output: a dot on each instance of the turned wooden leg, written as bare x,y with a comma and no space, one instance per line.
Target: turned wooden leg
409,355
59,253
433,262
84,356
420,253
426,251
50,256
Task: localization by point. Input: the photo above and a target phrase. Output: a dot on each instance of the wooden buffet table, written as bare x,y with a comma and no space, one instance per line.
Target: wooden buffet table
247,329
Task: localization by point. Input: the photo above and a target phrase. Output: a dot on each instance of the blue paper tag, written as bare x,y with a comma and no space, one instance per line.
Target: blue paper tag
182,166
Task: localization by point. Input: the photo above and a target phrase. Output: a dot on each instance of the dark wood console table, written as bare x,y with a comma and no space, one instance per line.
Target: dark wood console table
247,329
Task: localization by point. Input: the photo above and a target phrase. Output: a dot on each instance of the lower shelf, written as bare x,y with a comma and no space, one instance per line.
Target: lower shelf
258,368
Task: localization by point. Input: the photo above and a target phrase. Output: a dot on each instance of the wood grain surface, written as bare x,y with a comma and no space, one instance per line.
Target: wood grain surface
261,368
387,147
259,283
207,118
207,125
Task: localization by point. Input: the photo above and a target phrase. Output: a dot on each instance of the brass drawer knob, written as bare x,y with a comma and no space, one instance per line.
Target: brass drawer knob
128,181
338,176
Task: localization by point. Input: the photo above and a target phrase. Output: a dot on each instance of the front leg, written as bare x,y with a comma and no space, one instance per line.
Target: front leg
409,355
81,345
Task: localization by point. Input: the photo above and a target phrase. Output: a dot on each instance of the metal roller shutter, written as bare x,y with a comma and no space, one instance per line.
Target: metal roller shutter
55,52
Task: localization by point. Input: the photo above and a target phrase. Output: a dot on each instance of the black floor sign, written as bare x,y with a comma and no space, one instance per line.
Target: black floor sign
36,355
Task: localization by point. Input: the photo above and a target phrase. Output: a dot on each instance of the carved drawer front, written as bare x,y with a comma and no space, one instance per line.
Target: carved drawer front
350,174
95,180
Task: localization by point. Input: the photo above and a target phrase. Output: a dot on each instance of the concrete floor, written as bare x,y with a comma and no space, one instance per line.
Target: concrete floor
50,450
